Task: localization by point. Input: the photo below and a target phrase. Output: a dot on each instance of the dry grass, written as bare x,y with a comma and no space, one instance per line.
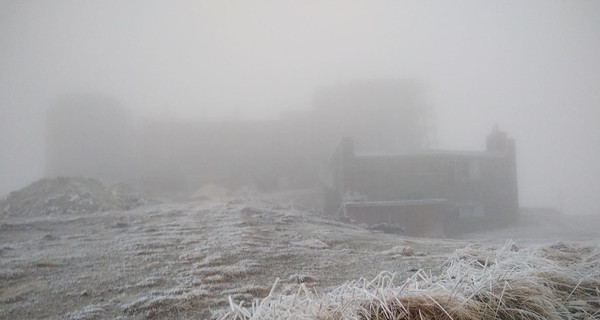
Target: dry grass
46,264
436,306
165,303
556,282
21,292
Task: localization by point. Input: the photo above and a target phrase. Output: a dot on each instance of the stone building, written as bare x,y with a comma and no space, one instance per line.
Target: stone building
435,192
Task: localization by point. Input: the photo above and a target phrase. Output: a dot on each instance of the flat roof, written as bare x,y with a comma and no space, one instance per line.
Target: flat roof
436,153
363,204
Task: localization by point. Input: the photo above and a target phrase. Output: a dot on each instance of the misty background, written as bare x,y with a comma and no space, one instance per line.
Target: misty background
532,68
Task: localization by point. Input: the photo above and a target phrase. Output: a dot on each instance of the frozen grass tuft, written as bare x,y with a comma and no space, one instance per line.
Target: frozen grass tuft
555,282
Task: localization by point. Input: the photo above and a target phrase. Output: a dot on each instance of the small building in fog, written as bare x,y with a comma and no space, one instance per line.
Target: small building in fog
429,193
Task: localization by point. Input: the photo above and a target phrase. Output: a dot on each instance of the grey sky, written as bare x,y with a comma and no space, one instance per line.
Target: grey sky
531,67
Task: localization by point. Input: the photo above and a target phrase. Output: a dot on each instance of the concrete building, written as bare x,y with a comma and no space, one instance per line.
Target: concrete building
441,192
95,136
181,156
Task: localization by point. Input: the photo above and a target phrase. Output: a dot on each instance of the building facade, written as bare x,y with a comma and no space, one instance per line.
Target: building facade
476,188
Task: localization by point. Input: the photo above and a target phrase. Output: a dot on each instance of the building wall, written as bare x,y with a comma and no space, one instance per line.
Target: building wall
91,135
478,185
230,154
429,219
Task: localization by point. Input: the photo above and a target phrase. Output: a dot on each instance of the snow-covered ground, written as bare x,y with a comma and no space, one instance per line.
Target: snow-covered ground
185,260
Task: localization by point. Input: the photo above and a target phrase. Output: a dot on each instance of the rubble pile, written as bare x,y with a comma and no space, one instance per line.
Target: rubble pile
68,195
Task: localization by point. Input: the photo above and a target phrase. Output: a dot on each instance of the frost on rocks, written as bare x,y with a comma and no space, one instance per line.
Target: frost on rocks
400,251
64,195
311,243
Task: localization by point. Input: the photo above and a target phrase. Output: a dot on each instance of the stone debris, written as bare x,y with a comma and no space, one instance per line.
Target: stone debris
68,196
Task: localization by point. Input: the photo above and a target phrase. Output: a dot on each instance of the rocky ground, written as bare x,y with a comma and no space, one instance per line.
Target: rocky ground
186,260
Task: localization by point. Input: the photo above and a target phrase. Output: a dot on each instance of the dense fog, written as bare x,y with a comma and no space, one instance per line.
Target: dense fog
529,68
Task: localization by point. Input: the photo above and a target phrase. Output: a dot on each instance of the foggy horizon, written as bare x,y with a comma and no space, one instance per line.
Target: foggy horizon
532,69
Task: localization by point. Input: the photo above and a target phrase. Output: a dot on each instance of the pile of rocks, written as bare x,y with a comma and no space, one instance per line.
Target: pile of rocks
68,195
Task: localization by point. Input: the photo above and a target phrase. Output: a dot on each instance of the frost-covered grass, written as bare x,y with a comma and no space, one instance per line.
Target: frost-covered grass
184,261
555,282
159,303
175,260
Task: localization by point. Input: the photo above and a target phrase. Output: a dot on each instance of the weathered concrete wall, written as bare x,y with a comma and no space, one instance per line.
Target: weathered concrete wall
480,186
418,219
